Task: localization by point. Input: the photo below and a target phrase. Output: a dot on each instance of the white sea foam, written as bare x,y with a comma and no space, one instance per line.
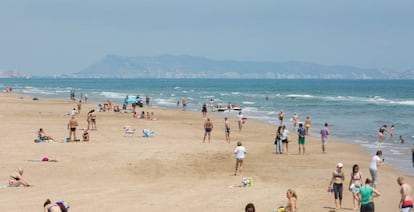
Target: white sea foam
113,95
248,103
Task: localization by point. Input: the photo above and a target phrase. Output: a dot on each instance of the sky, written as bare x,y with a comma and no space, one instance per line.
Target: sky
44,37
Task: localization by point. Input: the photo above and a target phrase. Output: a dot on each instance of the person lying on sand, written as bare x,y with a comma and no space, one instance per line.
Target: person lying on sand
16,179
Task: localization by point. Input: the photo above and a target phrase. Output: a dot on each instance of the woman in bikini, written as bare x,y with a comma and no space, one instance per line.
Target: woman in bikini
355,183
60,206
17,179
338,177
291,205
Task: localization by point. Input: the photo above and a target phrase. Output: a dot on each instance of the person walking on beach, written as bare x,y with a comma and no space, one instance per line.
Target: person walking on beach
204,110
406,202
147,100
227,129
73,123
355,183
365,196
307,124
285,140
240,120
79,106
301,138
373,167
294,120
324,136
337,180
240,152
208,127
278,140
281,116
184,102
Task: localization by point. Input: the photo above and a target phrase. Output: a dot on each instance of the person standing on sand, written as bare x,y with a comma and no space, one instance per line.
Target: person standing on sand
79,106
204,110
285,140
365,196
281,116
294,120
208,127
184,102
307,124
240,152
355,183
240,120
324,136
73,123
338,178
227,129
301,138
406,202
373,167
278,140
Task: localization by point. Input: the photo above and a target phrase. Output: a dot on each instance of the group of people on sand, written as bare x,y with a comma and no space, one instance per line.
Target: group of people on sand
143,115
363,194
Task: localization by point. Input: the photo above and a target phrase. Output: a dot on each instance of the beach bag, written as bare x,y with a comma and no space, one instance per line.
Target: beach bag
64,207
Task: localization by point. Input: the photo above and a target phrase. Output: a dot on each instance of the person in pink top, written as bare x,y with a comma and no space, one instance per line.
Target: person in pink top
324,137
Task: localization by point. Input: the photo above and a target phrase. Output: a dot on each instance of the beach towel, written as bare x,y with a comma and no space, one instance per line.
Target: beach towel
148,133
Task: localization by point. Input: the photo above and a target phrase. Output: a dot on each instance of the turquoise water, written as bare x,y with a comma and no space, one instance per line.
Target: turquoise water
354,109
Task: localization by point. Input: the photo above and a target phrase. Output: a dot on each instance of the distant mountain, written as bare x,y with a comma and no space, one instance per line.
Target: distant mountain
167,66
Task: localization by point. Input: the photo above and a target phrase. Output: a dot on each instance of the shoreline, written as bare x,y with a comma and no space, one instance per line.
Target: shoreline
153,168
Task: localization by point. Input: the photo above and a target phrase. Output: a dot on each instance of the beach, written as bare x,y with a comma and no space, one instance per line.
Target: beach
172,171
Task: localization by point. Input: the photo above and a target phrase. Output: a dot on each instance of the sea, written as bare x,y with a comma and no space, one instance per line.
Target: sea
354,109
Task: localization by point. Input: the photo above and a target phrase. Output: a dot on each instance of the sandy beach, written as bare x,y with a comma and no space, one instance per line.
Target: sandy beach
173,171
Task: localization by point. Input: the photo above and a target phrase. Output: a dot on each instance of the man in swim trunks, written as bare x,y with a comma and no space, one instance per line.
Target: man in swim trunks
301,138
73,123
227,129
208,127
406,202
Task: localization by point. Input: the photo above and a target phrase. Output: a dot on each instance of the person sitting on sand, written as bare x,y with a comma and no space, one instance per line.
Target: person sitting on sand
250,208
43,136
291,205
17,179
60,206
85,136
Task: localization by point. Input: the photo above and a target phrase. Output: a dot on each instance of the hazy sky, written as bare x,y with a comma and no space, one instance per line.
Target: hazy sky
64,36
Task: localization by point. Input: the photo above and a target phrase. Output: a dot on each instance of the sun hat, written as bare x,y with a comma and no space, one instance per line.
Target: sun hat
339,165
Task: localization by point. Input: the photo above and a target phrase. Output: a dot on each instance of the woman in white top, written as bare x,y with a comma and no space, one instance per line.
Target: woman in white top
373,167
240,152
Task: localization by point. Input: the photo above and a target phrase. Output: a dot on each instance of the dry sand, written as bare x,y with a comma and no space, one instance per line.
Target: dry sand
173,171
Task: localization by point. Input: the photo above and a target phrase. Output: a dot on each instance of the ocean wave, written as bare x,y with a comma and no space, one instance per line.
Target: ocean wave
113,95
248,103
34,90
